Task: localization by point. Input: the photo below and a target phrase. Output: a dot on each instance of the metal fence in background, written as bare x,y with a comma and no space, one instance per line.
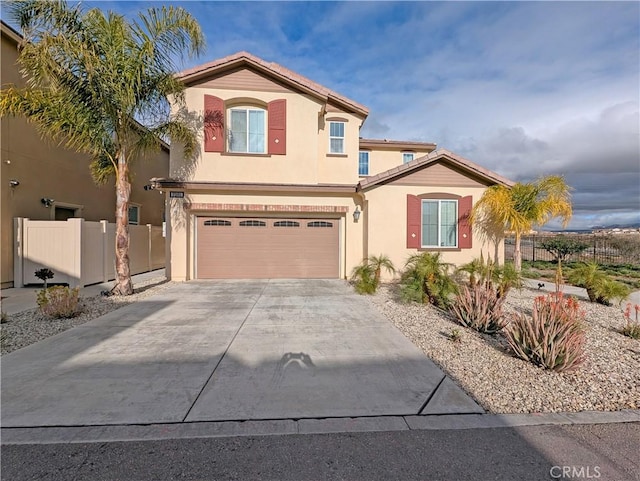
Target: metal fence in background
614,249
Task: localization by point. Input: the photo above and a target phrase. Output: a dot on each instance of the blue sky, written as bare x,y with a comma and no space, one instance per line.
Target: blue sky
523,88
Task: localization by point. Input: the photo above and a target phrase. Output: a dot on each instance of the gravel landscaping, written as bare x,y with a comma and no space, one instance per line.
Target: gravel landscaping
28,327
483,367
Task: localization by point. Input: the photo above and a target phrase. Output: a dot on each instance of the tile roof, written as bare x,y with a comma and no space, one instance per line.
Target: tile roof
431,158
195,74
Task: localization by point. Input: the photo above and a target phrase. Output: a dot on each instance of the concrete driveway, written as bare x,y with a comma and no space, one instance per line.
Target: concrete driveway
227,350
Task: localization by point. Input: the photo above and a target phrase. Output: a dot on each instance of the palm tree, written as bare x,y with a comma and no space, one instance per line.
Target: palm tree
90,75
523,206
378,263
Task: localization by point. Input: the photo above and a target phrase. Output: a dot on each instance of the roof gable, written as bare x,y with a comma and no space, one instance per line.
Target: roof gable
223,66
460,166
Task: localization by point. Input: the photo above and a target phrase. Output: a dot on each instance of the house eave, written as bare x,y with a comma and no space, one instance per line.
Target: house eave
172,184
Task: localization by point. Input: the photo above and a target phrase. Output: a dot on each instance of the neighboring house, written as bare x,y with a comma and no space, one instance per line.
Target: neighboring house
284,186
42,181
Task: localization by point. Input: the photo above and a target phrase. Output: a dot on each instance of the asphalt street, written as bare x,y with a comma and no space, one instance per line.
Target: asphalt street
608,452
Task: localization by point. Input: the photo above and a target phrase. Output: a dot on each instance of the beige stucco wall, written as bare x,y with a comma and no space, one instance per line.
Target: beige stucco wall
381,160
182,233
306,160
385,218
46,170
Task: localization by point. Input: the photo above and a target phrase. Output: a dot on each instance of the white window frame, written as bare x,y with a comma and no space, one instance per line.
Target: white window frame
336,137
366,152
137,208
439,245
247,109
412,154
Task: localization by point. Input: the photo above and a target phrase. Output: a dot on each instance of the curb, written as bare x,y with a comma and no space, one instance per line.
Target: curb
271,427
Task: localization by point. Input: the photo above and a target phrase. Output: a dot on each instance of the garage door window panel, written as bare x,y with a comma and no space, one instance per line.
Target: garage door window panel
286,223
252,223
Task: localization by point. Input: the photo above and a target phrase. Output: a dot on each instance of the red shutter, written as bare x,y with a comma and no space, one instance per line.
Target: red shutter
277,113
414,224
213,124
465,240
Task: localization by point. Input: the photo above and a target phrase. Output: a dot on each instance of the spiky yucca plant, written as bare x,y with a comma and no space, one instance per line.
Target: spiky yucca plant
553,337
480,308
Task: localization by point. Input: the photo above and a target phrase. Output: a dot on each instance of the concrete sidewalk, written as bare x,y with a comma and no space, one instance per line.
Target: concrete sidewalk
18,299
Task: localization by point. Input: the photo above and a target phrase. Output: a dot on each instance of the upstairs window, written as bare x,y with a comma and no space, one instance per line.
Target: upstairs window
407,157
439,223
363,164
336,137
247,130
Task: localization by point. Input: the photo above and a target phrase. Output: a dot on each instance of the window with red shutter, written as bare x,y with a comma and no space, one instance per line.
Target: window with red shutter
277,121
213,124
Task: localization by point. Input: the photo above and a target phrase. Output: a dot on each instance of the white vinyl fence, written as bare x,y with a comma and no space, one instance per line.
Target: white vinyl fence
80,252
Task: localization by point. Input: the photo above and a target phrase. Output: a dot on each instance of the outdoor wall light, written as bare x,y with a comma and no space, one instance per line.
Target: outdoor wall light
14,183
356,214
47,202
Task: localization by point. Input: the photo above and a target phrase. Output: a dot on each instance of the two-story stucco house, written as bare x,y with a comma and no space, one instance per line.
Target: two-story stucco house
284,187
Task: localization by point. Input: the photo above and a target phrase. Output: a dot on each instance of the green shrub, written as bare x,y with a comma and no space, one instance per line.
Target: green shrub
632,327
363,277
501,278
553,337
59,302
480,308
600,287
426,279
366,276
455,336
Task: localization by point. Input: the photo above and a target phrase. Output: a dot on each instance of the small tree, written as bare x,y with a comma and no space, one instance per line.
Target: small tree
521,207
90,75
44,275
561,248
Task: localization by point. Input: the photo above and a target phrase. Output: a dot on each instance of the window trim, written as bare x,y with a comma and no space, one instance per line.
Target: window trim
368,163
333,137
457,227
247,108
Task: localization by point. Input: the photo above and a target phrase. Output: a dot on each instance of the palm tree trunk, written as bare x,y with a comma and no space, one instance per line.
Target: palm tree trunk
517,255
123,285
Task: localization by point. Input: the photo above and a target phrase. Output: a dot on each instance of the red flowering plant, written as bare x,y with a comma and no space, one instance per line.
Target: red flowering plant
632,326
553,337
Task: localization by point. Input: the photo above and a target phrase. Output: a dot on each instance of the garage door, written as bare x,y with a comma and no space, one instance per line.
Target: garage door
259,248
